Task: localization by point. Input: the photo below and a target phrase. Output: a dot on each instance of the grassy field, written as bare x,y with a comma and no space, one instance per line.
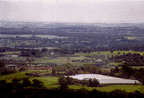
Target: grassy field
14,58
128,88
18,75
107,52
10,52
49,81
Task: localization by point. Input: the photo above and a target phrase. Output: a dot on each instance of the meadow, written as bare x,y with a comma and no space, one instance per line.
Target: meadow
51,82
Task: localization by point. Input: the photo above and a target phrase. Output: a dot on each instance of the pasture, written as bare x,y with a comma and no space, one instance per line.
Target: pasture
10,52
50,81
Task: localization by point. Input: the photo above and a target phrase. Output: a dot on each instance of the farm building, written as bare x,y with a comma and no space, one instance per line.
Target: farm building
10,66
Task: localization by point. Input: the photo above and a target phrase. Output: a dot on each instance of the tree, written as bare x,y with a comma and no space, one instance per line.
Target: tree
22,69
116,69
26,82
63,83
69,80
15,80
53,71
90,82
117,94
44,50
2,64
37,83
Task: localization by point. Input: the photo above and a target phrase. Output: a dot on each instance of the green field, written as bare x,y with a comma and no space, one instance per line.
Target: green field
128,88
10,52
49,81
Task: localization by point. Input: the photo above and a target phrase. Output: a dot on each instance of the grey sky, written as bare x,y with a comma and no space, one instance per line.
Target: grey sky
87,11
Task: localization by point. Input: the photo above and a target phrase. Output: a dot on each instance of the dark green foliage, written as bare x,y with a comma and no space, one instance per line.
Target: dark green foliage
117,94
22,69
116,69
69,80
90,82
53,71
2,64
95,94
37,83
15,80
26,82
138,94
93,83
6,71
44,50
63,82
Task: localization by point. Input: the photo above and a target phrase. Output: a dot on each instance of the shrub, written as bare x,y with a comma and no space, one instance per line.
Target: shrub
93,83
15,80
37,83
90,82
98,72
26,82
117,94
118,74
22,69
105,72
69,80
53,71
6,71
116,69
83,82
62,82
2,64
138,94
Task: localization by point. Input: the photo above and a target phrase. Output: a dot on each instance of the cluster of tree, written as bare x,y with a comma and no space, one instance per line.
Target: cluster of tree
38,90
129,73
130,59
65,81
31,53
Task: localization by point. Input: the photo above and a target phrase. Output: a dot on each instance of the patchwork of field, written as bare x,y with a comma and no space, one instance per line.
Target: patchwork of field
50,81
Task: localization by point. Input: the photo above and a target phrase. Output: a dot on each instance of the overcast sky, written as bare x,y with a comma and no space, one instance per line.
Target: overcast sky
77,11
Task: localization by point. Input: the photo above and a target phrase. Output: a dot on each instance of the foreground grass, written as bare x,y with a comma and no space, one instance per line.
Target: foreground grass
17,75
127,88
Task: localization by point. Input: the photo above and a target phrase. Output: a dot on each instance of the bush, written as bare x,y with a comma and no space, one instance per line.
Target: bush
69,80
26,82
90,83
98,72
105,72
83,82
37,83
22,69
6,71
116,69
118,74
117,94
2,64
53,71
62,82
15,80
93,83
